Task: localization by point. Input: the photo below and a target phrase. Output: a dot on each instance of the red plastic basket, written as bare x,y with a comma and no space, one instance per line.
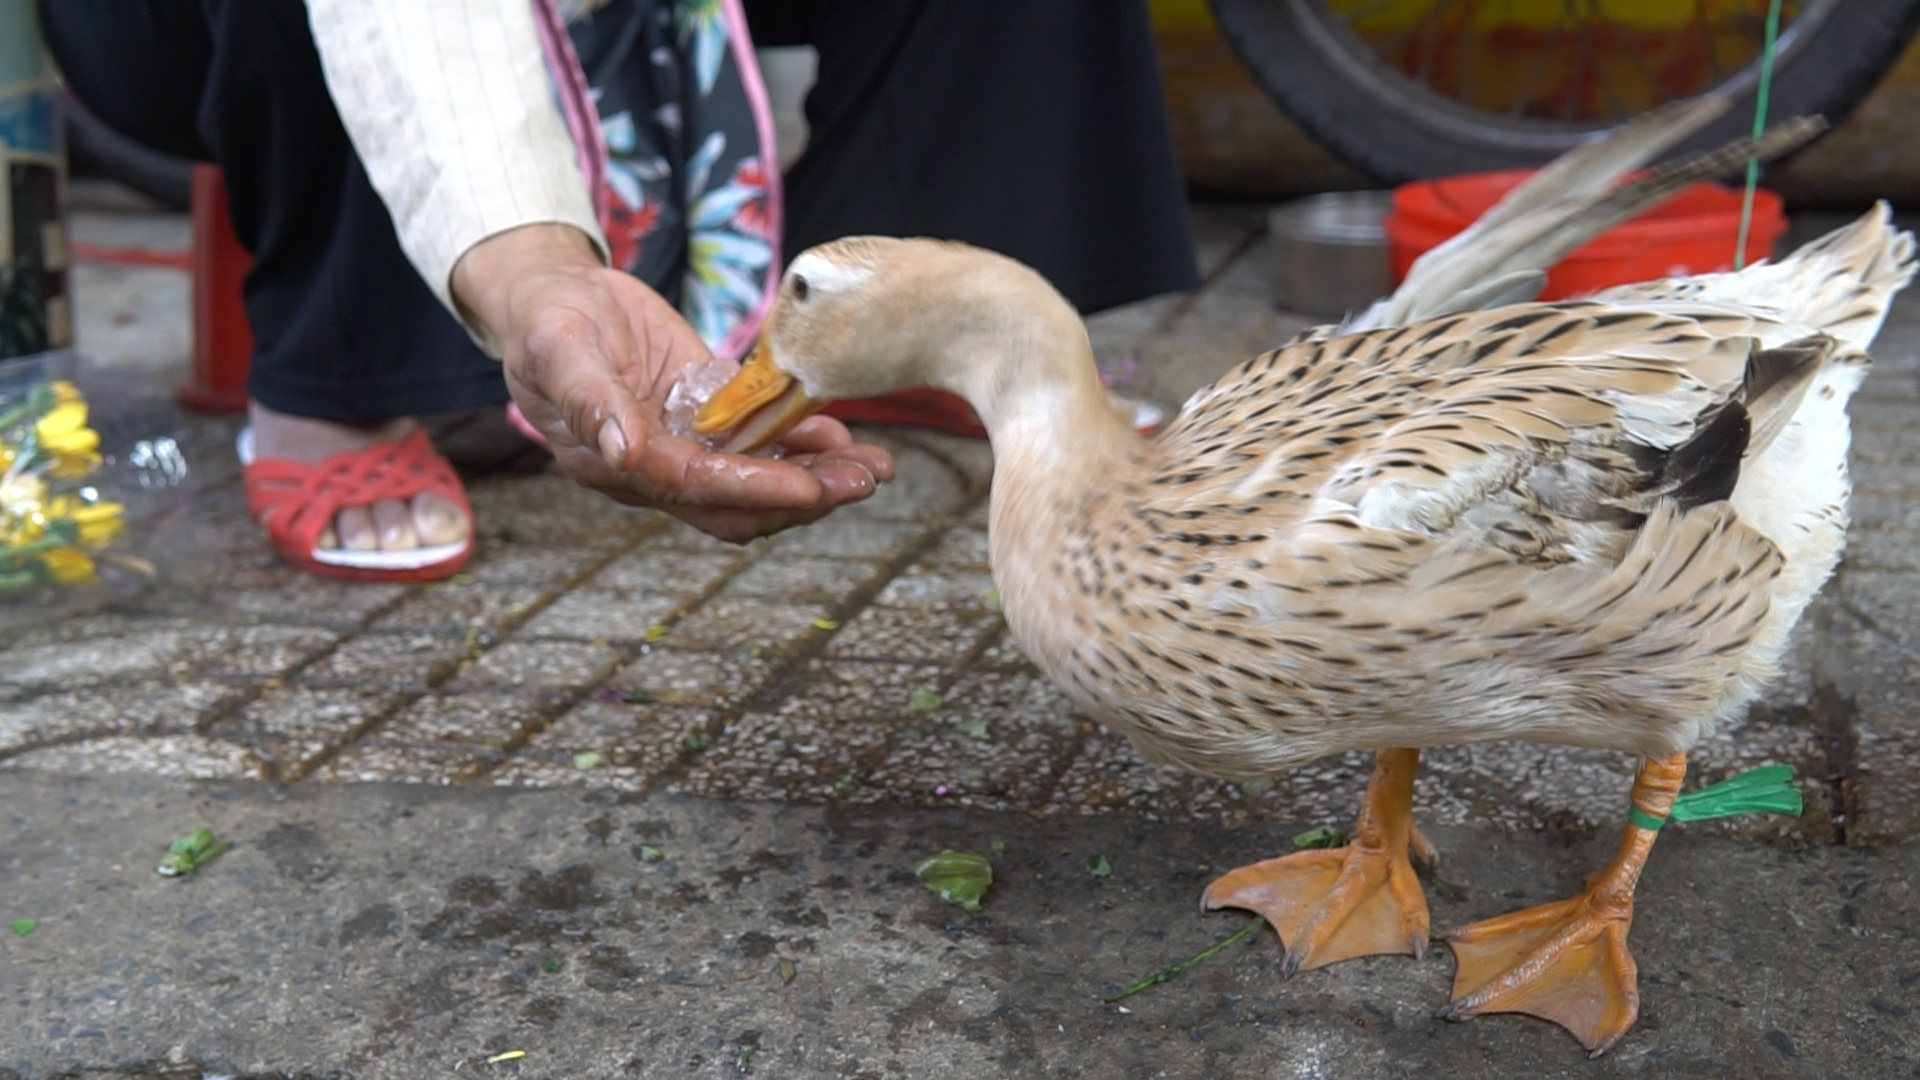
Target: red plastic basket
1692,233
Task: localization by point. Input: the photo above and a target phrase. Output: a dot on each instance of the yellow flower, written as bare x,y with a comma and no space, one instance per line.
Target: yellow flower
64,391
68,567
22,495
100,523
63,433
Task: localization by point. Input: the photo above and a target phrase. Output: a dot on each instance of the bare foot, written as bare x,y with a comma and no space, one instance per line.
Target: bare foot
429,520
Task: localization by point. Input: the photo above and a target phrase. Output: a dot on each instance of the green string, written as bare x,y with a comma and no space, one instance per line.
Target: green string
1767,790
1759,129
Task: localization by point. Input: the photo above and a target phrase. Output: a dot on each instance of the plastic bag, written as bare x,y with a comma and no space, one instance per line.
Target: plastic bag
54,520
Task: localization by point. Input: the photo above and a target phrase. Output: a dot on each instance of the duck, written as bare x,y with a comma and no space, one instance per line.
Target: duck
1589,522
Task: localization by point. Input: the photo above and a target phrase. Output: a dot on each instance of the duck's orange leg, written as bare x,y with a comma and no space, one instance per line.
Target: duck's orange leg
1341,903
1568,961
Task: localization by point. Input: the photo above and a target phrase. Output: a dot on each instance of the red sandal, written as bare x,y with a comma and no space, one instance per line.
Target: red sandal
297,501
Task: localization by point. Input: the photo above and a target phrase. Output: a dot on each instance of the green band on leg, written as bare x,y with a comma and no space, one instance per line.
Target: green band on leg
1768,790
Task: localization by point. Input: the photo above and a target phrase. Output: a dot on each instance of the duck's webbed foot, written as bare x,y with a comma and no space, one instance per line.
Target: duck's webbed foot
1568,961
1359,900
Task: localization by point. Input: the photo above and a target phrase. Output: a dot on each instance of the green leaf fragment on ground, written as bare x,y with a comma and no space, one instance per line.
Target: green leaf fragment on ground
999,847
993,599
825,624
788,969
1321,836
550,965
974,729
924,701
23,927
510,1055
190,853
1257,787
460,579
958,877
587,760
1099,867
649,853
695,743
656,634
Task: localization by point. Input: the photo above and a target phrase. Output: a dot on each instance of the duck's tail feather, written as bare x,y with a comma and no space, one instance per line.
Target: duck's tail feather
1571,201
1841,284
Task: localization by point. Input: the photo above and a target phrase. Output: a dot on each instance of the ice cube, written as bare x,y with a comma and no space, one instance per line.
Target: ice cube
698,382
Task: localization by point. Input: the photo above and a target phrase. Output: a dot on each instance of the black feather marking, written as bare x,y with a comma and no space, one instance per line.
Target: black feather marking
1522,321
1706,467
1488,348
1559,331
1617,317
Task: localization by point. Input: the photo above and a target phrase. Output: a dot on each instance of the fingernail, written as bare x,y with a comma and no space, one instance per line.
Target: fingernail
613,444
873,483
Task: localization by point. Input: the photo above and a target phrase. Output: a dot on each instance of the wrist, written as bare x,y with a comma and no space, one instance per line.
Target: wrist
483,279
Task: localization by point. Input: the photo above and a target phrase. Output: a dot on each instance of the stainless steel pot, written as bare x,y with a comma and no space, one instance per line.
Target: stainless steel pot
1330,252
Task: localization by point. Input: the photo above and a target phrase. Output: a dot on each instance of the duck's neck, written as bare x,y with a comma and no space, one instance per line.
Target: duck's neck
1023,361
1059,447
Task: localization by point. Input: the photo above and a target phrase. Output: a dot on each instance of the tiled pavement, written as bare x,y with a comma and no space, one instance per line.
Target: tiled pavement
787,670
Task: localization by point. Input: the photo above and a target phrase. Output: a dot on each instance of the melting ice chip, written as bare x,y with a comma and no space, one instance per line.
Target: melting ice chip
698,382
158,463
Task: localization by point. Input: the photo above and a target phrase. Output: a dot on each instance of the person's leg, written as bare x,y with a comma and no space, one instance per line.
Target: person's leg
1036,130
347,330
349,343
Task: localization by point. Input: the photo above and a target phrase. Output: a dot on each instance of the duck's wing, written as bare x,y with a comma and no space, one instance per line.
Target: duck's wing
1546,432
1506,524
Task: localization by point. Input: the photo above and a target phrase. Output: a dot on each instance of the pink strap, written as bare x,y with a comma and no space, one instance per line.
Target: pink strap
576,103
589,141
748,328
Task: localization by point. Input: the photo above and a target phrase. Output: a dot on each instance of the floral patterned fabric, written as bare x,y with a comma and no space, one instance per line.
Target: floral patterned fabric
689,204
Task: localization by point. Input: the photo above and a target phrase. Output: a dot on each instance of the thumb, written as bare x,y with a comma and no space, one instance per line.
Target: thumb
570,365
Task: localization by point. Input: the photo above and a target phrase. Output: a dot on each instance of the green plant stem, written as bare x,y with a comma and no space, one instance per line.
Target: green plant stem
1168,974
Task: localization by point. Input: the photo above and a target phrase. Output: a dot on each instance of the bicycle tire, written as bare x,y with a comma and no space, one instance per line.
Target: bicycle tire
94,147
1397,130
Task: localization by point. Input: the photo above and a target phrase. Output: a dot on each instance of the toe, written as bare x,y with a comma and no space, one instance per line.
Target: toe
394,523
355,526
438,519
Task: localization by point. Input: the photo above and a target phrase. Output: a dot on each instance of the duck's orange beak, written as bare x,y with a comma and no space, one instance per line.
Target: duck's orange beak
762,403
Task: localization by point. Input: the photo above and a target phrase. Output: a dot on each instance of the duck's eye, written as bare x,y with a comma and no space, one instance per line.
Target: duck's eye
800,287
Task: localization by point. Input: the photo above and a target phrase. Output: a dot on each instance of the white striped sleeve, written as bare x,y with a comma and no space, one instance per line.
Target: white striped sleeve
449,105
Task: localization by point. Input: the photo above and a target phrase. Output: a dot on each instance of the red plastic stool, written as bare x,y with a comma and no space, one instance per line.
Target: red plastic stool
222,340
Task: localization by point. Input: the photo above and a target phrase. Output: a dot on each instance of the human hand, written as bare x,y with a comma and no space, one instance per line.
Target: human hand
590,356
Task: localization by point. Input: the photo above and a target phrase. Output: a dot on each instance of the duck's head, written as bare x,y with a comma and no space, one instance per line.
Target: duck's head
870,315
